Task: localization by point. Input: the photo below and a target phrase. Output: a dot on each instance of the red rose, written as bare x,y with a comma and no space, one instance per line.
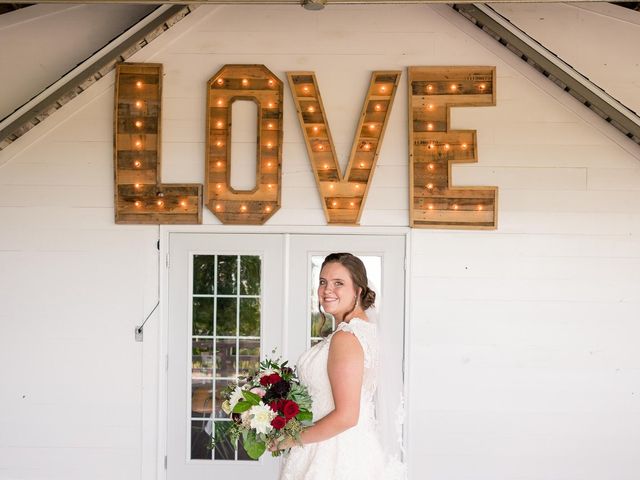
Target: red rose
274,378
264,381
278,422
290,409
276,405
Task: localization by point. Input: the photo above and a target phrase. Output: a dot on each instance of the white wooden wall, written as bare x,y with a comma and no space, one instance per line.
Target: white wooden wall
523,358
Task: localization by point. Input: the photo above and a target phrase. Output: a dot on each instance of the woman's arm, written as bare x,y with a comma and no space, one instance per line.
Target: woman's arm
345,367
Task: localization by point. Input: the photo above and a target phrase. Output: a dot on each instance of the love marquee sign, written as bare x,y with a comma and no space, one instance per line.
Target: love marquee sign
142,198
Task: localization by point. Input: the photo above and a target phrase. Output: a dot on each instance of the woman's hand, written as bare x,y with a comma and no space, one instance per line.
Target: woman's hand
281,444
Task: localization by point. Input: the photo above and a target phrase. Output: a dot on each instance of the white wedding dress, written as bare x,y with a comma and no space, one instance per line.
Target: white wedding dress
355,454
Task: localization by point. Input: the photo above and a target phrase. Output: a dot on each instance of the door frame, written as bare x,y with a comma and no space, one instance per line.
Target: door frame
154,422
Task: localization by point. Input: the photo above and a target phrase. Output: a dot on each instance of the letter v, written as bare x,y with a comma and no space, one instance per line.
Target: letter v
343,198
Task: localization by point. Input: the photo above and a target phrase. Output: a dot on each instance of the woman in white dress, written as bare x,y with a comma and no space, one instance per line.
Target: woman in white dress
341,375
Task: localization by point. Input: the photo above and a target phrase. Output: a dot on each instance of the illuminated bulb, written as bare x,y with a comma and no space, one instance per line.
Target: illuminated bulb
429,88
139,84
138,203
218,163
219,124
311,109
270,104
429,126
219,186
269,125
372,126
351,203
430,206
479,207
271,82
269,145
220,81
138,123
245,82
334,203
267,208
315,129
218,207
243,208
447,146
183,203
270,186
138,104
362,164
430,106
453,87
219,103
357,186
160,203
482,86
455,206
431,146
305,89
377,107
383,89
431,166
218,143
326,167
430,186
269,164
137,185
464,146
138,144
137,163
331,186
366,146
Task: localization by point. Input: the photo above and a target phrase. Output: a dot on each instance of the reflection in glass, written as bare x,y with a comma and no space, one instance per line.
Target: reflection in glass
226,316
249,355
202,315
249,275
203,274
220,385
224,449
199,441
226,358
250,317
201,398
227,274
202,358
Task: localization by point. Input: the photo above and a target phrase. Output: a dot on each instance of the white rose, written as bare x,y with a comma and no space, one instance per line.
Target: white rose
261,416
235,397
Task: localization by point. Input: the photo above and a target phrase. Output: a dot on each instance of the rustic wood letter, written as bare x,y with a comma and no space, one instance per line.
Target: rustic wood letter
140,197
258,84
433,201
343,198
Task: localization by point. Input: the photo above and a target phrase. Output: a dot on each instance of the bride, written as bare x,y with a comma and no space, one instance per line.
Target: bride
341,375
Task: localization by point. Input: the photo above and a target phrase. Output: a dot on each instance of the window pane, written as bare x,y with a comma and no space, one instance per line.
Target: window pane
203,315
220,385
202,358
226,358
227,274
203,274
200,440
249,355
226,317
249,275
250,317
201,398
224,449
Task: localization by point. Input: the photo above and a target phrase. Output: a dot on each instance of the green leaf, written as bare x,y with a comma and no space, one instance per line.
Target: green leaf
252,445
305,416
252,398
242,407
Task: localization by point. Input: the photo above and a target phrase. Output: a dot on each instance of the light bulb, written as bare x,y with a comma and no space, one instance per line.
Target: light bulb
138,143
270,104
430,206
267,208
160,203
243,208
218,207
271,82
429,126
455,206
326,167
270,186
138,104
269,164
430,186
220,81
463,146
269,125
482,86
334,203
447,146
269,145
138,203
137,185
362,164
357,186
372,126
431,146
220,102
183,203
383,89
366,146
305,89
431,166
315,129
218,163
137,163
311,109
331,186
453,87
139,84
219,124
429,88
351,203
219,186
245,82
430,106
479,207
138,123
320,147
377,107
218,143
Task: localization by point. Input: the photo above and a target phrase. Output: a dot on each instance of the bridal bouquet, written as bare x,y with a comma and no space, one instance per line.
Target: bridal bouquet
267,404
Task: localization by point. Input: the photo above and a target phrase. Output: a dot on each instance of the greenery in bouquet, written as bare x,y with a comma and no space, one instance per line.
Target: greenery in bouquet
268,404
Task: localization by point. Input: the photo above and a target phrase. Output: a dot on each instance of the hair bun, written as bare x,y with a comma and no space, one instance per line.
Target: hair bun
368,298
